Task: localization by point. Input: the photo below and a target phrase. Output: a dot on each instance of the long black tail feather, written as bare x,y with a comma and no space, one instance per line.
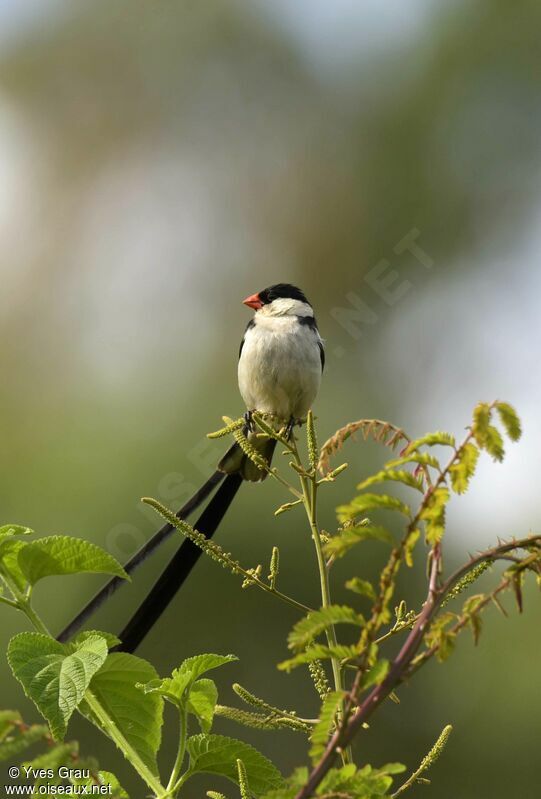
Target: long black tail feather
139,557
178,568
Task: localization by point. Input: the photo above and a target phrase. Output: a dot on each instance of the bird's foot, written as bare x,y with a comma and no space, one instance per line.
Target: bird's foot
290,425
248,418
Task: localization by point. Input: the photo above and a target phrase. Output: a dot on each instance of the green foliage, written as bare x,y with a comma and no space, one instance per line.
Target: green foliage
431,440
64,555
393,475
376,674
217,754
320,652
353,534
19,739
55,676
366,502
328,717
124,697
509,419
433,514
317,621
138,716
9,530
177,687
201,702
361,587
463,469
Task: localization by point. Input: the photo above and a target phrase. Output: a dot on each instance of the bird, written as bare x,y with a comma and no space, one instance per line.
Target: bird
280,366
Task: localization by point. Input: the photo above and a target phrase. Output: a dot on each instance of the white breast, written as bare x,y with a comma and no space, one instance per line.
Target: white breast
280,367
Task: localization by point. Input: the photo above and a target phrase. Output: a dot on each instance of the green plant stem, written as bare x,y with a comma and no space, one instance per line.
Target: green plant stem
175,774
23,603
125,747
309,491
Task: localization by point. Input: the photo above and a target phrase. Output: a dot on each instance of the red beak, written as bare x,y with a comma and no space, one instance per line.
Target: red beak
253,302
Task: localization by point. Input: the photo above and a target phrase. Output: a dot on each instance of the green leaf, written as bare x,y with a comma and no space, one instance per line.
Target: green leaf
8,530
366,502
361,587
110,639
202,702
53,758
394,475
138,716
327,716
338,545
8,720
510,420
376,674
464,468
431,440
409,546
14,745
421,458
174,688
216,754
320,652
433,514
65,555
494,443
114,790
9,559
54,676
317,621
481,422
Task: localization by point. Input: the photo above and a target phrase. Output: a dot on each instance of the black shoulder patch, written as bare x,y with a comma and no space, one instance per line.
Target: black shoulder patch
321,355
250,324
308,321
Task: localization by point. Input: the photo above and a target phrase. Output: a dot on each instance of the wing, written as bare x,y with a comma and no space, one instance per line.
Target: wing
250,324
310,321
321,354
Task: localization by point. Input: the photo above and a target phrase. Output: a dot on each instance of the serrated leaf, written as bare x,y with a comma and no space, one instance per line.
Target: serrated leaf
320,736
110,639
8,720
202,702
366,502
433,514
494,443
464,468
481,421
8,530
338,545
361,587
315,622
393,475
174,688
421,458
409,546
431,440
320,652
9,558
53,758
11,747
54,676
137,715
217,754
106,778
376,674
510,420
58,554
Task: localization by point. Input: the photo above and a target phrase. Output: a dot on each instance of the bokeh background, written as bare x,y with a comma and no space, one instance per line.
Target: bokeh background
161,160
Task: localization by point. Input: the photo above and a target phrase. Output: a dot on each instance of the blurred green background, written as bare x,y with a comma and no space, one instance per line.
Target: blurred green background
161,160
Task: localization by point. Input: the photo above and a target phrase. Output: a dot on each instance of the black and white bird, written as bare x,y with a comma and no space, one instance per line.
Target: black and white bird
281,361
